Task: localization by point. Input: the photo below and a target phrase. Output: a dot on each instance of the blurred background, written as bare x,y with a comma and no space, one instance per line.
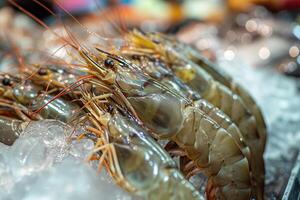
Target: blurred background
257,27
256,41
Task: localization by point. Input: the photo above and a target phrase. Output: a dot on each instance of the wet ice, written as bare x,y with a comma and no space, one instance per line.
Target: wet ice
42,164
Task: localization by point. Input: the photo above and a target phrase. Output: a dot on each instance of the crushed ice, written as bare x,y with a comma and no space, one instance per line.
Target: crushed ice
42,164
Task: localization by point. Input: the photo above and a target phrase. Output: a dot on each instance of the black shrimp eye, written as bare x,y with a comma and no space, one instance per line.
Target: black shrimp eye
6,81
42,71
109,63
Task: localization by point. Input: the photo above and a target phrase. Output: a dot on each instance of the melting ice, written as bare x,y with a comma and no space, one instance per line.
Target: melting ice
43,165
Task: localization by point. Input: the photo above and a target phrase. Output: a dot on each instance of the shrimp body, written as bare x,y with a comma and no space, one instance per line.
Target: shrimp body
170,116
207,144
145,165
145,169
217,94
158,70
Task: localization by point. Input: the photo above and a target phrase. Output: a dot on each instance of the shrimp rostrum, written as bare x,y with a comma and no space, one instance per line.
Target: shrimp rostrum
170,116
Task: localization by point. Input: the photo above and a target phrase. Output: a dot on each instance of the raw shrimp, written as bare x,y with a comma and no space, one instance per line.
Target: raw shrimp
158,70
170,116
136,161
217,94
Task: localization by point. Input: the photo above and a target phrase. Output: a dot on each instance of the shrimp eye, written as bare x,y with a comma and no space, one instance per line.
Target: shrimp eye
109,63
42,71
6,81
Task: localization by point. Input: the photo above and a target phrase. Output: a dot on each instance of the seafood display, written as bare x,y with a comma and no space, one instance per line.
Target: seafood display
156,111
211,147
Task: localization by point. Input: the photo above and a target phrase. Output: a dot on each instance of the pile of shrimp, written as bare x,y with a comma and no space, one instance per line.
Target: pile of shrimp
132,94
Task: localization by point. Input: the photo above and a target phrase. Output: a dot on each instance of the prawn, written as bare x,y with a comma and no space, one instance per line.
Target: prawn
214,92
